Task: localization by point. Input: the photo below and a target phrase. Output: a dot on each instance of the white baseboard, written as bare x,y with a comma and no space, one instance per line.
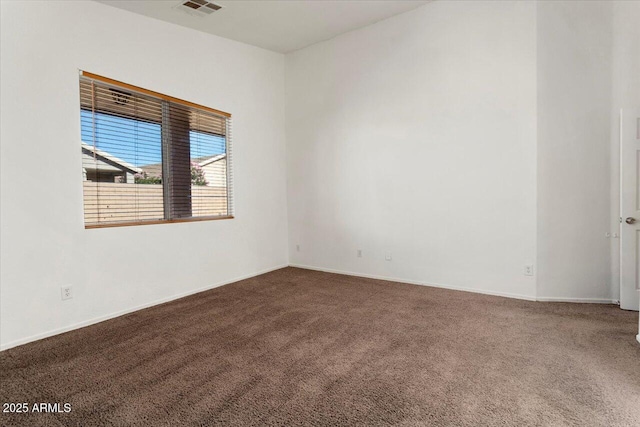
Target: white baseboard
578,300
416,282
99,319
461,288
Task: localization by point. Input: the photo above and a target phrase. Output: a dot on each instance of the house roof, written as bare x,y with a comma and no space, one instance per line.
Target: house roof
204,161
105,161
155,169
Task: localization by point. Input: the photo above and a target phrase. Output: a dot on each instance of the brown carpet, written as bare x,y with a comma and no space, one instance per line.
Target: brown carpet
298,347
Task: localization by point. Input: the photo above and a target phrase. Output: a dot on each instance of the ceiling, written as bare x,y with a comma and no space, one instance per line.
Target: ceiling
278,25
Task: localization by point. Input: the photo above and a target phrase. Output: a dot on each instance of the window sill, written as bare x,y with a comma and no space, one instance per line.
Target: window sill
155,222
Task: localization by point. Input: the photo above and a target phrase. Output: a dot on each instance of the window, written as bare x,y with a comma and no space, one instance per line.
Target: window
150,158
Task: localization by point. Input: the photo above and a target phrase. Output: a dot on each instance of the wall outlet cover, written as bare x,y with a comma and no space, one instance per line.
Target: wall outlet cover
66,292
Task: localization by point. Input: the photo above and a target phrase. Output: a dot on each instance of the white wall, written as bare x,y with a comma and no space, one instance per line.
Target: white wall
417,135
44,243
574,125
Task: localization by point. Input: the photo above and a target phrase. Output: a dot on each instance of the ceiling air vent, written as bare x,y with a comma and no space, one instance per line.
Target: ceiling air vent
200,7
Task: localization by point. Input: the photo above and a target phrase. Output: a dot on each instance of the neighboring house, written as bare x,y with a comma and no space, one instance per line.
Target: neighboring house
214,168
100,166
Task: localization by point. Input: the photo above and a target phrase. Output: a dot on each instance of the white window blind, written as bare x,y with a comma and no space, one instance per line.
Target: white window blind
149,158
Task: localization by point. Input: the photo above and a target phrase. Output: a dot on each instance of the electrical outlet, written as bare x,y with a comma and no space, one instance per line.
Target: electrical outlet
297,248
359,253
528,270
66,292
387,256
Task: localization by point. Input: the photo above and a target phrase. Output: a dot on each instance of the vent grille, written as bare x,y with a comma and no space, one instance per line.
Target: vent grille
201,7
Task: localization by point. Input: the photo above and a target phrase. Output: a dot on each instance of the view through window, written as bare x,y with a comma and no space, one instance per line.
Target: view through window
147,157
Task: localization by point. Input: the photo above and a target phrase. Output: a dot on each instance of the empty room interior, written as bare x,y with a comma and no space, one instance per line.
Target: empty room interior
325,213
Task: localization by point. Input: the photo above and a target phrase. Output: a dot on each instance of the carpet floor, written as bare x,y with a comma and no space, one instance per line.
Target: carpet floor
300,347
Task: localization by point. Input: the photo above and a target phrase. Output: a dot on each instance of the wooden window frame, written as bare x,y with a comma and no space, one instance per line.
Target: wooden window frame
152,93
